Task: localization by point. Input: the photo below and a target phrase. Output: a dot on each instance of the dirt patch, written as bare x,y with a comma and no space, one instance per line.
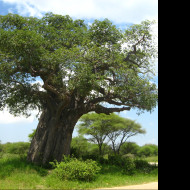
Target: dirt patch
153,185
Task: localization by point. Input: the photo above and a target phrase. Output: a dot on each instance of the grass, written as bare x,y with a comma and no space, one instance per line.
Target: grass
152,159
16,173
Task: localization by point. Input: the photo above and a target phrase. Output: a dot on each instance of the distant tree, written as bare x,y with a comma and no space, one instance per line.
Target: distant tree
122,131
129,148
65,69
148,150
97,126
79,146
113,127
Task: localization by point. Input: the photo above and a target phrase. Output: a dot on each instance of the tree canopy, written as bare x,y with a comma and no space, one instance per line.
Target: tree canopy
61,59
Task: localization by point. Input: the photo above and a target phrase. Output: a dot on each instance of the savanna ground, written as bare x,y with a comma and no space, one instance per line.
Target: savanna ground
16,173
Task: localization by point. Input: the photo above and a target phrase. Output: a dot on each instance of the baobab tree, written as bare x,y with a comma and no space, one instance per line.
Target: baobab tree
65,68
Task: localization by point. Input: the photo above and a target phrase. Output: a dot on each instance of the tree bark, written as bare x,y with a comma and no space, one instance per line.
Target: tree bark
52,138
100,149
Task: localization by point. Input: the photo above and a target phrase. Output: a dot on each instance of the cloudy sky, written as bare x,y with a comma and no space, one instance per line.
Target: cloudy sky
121,13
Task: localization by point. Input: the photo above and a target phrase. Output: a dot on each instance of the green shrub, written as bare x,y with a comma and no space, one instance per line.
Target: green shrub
129,165
125,163
74,169
94,157
139,164
20,148
102,160
142,165
129,155
115,160
148,150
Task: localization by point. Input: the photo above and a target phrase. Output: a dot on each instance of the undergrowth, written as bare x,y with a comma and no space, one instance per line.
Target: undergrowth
17,173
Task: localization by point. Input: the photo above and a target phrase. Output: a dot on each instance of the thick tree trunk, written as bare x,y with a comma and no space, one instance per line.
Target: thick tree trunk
52,138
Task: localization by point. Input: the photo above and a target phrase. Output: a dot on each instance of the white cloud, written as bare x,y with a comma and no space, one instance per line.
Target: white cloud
7,118
119,11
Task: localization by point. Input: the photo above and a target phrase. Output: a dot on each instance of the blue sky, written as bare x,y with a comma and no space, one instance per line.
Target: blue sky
121,13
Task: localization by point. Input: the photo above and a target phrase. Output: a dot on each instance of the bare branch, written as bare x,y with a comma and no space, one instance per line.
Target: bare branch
101,109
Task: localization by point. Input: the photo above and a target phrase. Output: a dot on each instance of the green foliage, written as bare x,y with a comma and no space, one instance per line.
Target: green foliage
97,126
140,164
16,173
152,159
62,65
98,63
80,147
148,150
20,148
143,166
9,163
101,127
31,135
125,163
74,169
103,32
130,165
129,148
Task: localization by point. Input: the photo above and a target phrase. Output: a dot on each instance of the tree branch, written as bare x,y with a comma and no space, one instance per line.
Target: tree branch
109,98
51,88
134,49
101,109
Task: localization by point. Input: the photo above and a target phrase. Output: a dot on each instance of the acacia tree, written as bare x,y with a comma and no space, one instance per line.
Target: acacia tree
122,131
97,126
79,66
113,127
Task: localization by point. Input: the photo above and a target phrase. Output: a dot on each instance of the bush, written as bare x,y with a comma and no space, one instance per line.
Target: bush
125,163
129,165
142,165
94,157
129,148
74,169
148,150
129,155
115,160
20,148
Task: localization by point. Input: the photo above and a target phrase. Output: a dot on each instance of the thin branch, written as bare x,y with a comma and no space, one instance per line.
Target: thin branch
134,49
101,109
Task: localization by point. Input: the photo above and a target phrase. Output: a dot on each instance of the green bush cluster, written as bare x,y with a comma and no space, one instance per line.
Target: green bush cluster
74,169
19,148
130,165
82,148
125,163
143,166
